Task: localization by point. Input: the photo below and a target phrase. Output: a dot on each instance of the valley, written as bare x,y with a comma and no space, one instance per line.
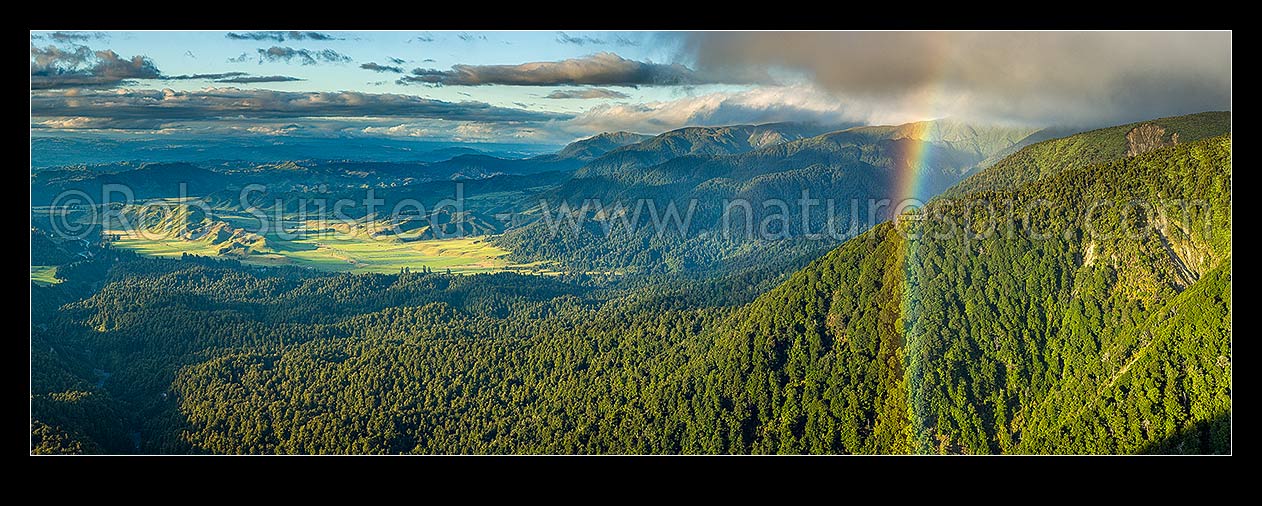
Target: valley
493,326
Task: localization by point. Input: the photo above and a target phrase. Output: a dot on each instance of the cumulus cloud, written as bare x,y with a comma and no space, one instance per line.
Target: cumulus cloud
162,107
302,56
587,93
1063,77
381,68
760,105
53,67
287,129
603,69
280,36
468,131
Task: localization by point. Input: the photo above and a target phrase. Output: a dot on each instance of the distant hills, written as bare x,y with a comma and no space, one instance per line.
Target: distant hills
760,165
1073,297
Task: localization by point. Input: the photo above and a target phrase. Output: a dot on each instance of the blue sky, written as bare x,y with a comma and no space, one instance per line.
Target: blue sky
183,52
551,87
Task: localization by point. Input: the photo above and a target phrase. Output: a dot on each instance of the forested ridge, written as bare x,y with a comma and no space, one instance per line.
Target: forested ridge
1075,328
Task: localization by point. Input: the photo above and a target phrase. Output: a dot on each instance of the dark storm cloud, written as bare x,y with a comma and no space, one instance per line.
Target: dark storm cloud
604,69
587,93
53,67
583,40
381,68
1045,76
302,56
103,109
280,36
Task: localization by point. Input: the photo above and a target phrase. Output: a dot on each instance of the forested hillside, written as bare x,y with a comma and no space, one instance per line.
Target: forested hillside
1008,343
1051,156
1081,324
637,209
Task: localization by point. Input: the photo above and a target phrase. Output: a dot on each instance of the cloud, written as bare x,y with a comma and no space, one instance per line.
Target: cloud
1061,77
425,37
604,69
258,79
381,68
468,37
209,77
579,40
154,108
232,77
57,68
303,56
288,129
587,93
583,40
467,131
53,68
801,103
71,37
280,36
396,61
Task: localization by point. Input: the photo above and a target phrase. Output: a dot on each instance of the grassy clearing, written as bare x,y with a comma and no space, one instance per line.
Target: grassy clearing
44,275
150,244
360,253
328,247
340,252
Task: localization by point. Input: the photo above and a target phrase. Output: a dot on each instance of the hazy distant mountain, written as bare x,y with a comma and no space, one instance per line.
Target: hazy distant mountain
592,147
162,179
707,167
148,181
48,151
569,158
725,140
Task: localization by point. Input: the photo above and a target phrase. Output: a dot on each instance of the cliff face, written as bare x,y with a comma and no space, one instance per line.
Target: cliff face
1147,137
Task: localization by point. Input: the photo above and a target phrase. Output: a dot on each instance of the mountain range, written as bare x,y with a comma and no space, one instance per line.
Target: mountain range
1049,293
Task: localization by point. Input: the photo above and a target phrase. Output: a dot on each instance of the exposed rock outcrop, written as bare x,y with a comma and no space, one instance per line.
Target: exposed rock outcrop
1147,137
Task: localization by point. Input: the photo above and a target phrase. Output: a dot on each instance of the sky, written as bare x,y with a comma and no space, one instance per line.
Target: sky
553,87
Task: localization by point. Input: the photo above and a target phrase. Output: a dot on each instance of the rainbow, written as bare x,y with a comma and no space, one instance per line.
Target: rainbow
912,183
